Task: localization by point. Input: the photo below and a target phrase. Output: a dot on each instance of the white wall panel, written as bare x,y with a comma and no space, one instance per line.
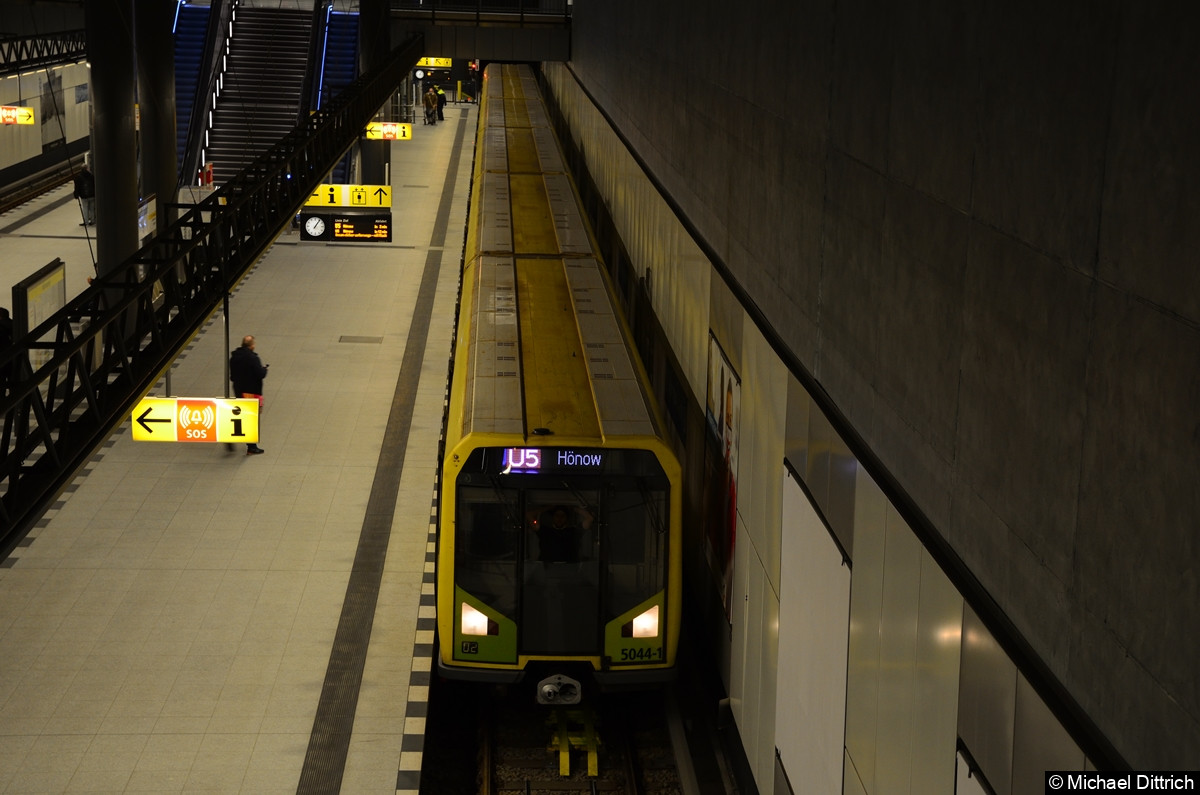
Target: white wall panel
760,453
814,610
750,726
897,658
768,678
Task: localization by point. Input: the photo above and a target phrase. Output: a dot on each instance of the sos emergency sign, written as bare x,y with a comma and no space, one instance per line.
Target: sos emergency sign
196,420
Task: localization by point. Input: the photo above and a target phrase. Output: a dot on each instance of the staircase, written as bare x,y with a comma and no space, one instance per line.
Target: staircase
191,28
260,99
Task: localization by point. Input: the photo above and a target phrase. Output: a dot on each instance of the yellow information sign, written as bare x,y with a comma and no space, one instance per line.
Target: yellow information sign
364,196
10,114
196,420
435,63
389,131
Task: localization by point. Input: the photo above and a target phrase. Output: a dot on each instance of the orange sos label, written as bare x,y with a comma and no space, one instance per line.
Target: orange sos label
196,420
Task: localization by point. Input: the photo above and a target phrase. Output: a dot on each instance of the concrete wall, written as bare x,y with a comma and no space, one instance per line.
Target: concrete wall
975,225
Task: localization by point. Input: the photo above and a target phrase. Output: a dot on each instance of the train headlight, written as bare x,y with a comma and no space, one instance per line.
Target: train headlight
476,623
642,626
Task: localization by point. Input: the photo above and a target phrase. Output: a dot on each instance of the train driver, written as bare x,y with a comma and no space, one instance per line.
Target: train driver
560,534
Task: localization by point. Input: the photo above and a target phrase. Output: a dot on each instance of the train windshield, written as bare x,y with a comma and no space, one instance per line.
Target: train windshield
562,548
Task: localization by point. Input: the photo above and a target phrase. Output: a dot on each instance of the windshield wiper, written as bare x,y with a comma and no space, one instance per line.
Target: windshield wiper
651,506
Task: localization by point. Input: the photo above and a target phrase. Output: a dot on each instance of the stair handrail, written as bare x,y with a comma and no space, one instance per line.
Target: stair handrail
213,63
316,38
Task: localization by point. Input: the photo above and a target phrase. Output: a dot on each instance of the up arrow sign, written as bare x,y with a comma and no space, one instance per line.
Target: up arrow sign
145,418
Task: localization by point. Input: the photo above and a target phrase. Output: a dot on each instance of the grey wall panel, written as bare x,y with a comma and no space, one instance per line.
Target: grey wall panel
1040,743
820,454
796,446
1119,562
814,608
1041,182
938,651
839,502
898,625
866,607
965,783
852,782
1152,156
987,703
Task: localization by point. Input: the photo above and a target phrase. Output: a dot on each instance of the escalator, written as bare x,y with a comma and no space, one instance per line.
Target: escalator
262,88
191,29
339,68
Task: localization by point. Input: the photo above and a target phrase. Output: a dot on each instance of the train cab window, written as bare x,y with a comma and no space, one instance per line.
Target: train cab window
635,522
487,532
561,532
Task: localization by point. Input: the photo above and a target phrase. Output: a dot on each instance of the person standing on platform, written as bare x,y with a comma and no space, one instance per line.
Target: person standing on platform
85,191
430,106
441,100
247,372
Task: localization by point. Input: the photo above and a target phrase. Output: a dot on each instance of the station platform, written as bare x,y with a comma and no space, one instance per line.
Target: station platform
190,618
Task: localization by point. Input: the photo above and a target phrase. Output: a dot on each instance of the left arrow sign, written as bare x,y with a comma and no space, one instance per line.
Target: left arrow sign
145,418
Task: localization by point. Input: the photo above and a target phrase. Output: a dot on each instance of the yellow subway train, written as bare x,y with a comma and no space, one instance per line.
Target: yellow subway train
559,516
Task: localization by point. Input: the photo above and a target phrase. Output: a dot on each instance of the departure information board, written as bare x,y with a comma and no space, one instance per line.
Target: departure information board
352,227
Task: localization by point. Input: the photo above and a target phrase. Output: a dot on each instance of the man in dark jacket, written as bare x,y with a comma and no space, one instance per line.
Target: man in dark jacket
85,191
247,372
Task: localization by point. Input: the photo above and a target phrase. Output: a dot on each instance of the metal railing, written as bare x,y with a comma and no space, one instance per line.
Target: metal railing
23,53
108,346
492,11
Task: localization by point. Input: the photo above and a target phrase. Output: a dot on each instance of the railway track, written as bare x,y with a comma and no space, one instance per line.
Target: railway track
513,746
618,744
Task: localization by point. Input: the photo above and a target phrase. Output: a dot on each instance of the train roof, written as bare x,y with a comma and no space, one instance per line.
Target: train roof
546,345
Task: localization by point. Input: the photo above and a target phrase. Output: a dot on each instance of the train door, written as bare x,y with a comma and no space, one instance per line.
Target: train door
560,611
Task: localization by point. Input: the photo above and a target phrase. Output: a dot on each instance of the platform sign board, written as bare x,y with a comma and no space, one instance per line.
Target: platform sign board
363,197
436,63
389,131
347,227
181,419
10,114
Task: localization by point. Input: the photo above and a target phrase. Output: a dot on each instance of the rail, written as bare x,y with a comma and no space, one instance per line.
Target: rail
108,346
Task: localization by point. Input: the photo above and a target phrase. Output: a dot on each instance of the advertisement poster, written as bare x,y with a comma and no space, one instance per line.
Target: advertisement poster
722,414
